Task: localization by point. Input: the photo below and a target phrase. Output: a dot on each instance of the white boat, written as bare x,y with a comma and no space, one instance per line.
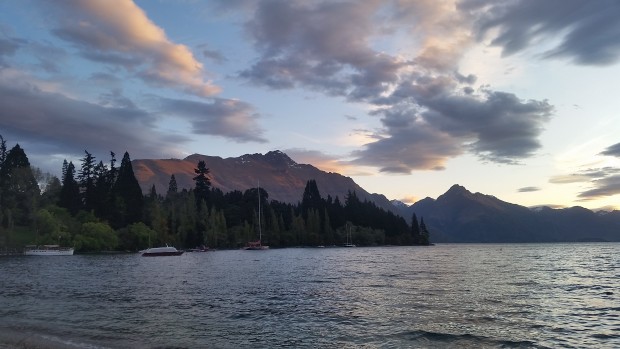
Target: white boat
161,251
349,242
257,245
48,250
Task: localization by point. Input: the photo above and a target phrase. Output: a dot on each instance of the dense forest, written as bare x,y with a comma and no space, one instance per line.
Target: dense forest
100,207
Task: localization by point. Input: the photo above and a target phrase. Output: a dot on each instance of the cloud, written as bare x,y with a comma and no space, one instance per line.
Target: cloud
122,35
502,127
52,123
325,162
584,32
430,111
613,150
8,47
602,187
409,199
228,118
604,181
571,178
528,189
407,145
323,46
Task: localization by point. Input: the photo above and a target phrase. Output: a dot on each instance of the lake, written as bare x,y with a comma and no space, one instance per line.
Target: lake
448,295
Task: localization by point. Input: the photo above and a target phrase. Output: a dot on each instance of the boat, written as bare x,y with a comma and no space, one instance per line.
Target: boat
48,250
161,251
349,242
258,244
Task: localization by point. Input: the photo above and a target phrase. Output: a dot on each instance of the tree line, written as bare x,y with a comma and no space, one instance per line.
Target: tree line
100,206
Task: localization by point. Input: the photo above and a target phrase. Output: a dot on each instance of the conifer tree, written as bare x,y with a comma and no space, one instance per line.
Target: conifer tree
424,234
311,198
202,183
70,191
19,188
87,180
172,187
127,194
415,229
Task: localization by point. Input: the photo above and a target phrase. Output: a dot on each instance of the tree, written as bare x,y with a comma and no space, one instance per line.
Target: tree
202,183
424,234
311,198
94,236
415,230
172,187
19,188
87,181
127,196
70,191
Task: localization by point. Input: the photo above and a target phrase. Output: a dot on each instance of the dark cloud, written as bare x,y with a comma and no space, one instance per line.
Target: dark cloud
604,181
213,55
55,124
528,189
613,150
588,31
8,46
408,143
322,46
602,187
228,118
430,111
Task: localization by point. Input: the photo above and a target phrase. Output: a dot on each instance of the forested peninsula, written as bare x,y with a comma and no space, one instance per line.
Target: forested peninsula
101,207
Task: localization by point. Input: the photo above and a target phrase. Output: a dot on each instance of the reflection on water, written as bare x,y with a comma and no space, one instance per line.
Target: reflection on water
530,295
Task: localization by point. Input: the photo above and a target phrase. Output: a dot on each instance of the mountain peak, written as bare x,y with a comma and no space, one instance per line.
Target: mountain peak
277,157
457,190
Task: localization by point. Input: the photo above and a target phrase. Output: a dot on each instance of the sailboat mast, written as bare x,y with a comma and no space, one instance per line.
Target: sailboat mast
259,228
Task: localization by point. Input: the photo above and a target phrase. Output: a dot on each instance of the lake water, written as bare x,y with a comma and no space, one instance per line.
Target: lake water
450,295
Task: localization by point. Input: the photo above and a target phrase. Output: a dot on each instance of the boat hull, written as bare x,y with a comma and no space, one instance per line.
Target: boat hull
256,248
161,254
43,252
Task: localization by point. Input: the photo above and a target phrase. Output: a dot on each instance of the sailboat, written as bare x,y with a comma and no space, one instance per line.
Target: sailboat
257,245
349,241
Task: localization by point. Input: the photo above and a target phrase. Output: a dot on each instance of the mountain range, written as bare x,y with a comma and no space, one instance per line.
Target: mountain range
282,178
456,216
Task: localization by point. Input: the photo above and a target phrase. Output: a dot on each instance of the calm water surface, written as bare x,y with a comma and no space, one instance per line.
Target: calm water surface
465,296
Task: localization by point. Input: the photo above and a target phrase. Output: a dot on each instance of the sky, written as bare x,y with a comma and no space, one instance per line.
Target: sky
516,99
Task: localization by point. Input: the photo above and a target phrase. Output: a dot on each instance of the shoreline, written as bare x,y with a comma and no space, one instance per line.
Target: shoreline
23,339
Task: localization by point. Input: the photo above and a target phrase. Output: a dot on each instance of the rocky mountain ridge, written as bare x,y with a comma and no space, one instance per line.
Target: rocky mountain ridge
282,177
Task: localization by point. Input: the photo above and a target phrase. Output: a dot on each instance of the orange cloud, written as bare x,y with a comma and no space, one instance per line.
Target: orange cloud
123,29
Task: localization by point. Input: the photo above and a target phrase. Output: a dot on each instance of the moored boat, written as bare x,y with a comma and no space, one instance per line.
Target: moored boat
161,251
255,245
48,250
258,244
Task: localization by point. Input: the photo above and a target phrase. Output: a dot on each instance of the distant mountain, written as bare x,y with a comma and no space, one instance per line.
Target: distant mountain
462,216
283,178
456,216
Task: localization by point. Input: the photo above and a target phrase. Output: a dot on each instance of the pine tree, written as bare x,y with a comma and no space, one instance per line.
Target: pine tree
70,191
172,187
425,235
19,188
415,230
86,179
202,183
127,195
311,198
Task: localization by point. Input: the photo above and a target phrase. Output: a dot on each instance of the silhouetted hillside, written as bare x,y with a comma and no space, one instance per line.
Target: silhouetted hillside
462,216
